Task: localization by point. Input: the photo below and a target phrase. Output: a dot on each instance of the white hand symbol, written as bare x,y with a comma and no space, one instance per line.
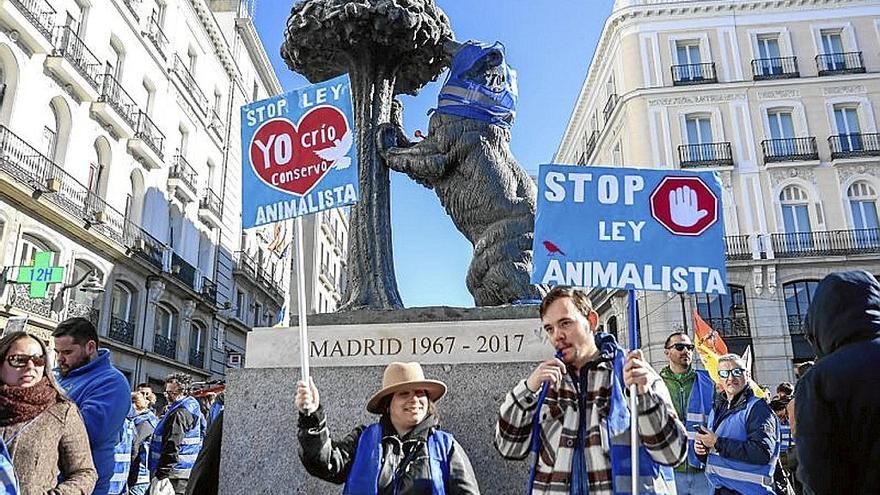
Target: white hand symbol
684,208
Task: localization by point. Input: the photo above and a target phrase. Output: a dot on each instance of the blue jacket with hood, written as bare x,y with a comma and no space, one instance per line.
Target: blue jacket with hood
837,402
102,394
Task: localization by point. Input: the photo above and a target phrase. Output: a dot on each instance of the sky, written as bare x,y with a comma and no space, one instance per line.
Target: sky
550,44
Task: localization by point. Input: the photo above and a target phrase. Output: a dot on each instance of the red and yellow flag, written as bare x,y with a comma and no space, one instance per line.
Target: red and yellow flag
711,346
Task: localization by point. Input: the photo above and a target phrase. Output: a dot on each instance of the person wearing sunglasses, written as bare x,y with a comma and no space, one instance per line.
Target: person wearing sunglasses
40,426
739,447
692,393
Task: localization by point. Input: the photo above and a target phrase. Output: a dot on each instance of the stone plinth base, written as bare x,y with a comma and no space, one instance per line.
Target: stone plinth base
259,441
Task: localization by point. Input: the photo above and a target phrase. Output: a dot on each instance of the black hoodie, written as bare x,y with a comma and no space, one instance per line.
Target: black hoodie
838,401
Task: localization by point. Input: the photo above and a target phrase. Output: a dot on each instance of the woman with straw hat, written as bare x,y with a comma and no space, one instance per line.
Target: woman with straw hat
403,453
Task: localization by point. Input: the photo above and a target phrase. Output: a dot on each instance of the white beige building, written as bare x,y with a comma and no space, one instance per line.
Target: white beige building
120,153
781,99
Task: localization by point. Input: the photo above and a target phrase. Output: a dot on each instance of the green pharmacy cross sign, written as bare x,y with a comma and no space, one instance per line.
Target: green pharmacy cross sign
40,275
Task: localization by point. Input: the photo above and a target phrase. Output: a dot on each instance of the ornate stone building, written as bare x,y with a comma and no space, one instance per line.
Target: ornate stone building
778,98
120,154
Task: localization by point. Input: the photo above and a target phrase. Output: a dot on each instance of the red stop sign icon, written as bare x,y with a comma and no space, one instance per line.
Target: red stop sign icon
684,205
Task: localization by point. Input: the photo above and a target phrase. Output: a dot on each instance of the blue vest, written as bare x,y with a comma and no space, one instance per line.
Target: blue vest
465,98
122,458
144,448
786,440
742,477
189,446
7,472
363,479
698,410
654,478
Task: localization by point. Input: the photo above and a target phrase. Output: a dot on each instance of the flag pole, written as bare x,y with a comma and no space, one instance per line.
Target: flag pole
301,302
633,392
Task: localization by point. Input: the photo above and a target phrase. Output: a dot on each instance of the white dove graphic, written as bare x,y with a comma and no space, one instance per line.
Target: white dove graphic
337,154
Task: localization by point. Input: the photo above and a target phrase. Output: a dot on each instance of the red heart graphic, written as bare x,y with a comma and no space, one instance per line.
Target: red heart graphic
284,155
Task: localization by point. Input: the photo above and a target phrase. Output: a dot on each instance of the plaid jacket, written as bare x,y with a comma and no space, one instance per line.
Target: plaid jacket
660,431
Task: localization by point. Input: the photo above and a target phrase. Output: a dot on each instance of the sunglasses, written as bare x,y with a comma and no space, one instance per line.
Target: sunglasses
736,373
680,347
21,360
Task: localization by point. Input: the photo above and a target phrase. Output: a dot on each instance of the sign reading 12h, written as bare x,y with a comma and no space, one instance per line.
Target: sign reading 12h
299,153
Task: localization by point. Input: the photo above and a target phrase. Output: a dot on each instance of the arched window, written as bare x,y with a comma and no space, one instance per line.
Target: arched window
29,246
122,313
8,83
611,326
56,130
798,296
165,328
197,337
863,205
728,315
795,209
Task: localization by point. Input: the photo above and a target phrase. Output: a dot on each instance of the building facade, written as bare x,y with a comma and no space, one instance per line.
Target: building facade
120,155
778,98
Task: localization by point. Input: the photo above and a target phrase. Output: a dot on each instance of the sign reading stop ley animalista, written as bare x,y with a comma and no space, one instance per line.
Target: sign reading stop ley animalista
452,342
629,228
299,153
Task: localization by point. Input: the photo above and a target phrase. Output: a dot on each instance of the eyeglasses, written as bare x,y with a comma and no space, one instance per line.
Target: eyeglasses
680,347
21,360
736,373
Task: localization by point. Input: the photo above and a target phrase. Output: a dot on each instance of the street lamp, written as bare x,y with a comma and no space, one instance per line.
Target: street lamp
90,283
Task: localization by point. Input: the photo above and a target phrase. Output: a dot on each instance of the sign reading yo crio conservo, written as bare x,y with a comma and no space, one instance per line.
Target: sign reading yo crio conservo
629,228
299,153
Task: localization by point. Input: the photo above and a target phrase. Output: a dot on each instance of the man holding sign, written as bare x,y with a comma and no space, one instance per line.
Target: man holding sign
573,407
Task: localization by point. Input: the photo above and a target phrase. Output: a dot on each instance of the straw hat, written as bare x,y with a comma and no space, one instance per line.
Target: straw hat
402,376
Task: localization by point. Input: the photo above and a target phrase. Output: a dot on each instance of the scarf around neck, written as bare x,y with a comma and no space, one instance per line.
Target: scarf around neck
20,404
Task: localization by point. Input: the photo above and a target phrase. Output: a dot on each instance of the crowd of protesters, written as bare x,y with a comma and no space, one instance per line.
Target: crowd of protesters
76,428
73,427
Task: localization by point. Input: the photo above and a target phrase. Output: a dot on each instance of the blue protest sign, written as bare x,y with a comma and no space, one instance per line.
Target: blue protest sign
629,228
299,153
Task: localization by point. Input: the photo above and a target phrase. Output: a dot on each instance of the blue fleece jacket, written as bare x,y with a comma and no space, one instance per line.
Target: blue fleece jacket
102,394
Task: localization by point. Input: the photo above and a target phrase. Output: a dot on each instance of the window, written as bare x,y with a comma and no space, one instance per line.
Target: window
258,314
218,101
95,172
29,247
688,66
795,212
165,324
256,91
120,303
699,139
846,118
219,337
240,304
728,315
611,326
863,205
49,141
832,41
617,155
798,296
770,62
192,59
781,123
196,337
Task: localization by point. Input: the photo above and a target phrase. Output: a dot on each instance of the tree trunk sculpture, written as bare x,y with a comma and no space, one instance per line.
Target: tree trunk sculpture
387,47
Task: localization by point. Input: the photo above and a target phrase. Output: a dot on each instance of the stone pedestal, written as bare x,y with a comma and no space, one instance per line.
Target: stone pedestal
479,353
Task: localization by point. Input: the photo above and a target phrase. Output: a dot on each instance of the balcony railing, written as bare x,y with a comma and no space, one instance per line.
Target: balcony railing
854,145
789,149
738,247
248,266
113,94
164,346
825,243
217,124
21,299
78,309
796,324
182,170
68,45
189,82
183,270
197,358
147,130
705,155
121,330
730,326
211,202
775,68
840,63
132,7
155,34
610,105
685,74
209,290
31,168
39,13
